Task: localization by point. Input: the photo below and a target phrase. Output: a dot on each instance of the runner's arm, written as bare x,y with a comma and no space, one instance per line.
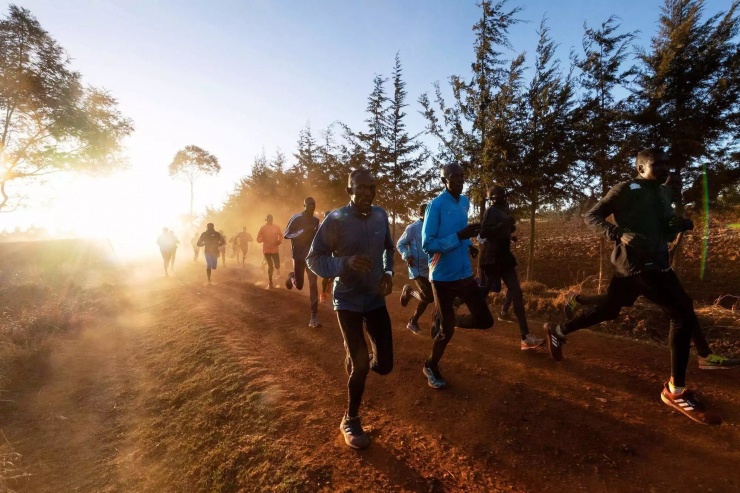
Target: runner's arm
431,243
596,217
389,250
493,226
320,258
260,235
201,240
404,244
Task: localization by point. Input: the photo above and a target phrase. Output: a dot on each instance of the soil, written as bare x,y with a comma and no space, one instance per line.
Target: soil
224,388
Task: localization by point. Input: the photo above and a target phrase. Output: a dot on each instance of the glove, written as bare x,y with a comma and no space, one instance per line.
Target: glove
469,231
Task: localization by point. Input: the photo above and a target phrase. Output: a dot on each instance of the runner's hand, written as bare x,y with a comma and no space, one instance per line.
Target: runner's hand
473,251
469,231
410,261
386,285
360,263
514,238
679,223
635,240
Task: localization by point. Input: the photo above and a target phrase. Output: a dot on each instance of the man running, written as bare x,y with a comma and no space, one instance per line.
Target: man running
498,262
166,248
222,248
300,231
409,246
194,244
445,237
241,244
644,224
270,237
326,282
212,241
354,245
175,243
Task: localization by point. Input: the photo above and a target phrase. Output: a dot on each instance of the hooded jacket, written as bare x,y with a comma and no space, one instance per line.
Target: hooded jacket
344,233
640,206
409,246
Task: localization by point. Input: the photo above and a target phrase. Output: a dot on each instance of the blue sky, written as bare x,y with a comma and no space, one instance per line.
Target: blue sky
237,77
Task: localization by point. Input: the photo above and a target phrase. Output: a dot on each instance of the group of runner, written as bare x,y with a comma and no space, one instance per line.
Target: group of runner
354,247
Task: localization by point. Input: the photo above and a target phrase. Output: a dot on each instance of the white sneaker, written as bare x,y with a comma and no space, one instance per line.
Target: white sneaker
314,323
532,342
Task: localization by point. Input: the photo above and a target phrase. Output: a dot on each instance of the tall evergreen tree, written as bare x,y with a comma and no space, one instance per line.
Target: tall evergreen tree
406,173
688,85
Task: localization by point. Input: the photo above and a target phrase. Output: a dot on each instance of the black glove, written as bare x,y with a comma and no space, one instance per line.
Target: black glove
469,231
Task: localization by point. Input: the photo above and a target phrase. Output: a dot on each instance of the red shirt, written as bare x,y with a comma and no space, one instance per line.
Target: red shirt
270,236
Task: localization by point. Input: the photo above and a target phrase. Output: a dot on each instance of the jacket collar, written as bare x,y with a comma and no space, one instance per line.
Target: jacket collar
356,212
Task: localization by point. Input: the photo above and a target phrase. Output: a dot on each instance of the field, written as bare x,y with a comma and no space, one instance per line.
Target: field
116,379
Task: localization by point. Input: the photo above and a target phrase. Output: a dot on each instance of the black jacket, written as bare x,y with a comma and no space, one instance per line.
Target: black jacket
496,229
640,206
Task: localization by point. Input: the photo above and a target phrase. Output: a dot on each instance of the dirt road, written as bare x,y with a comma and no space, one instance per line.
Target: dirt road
225,388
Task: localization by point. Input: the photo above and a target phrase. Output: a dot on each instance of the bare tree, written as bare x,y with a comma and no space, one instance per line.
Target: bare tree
190,164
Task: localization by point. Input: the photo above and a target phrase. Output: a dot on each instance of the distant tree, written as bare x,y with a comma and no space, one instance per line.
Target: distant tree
602,122
370,146
544,175
49,121
688,87
190,164
406,173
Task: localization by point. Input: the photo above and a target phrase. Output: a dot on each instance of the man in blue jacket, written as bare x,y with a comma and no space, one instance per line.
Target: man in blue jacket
446,239
300,231
409,246
354,245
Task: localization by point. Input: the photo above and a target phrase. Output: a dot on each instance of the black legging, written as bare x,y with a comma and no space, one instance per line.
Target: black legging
665,290
424,294
378,325
273,262
445,293
513,293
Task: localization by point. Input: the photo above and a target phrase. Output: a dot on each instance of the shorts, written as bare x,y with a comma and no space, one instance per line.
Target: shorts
212,261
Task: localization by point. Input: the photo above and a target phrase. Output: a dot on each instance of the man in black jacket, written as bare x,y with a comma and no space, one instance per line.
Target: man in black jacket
497,261
644,224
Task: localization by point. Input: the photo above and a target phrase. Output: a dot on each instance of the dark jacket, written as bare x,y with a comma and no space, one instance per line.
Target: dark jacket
640,206
304,228
496,229
344,233
211,240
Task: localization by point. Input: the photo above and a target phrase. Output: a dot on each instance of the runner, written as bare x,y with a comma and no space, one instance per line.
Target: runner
194,244
222,248
497,262
708,360
644,224
175,243
300,231
241,244
446,239
270,237
409,246
212,241
354,245
166,248
326,283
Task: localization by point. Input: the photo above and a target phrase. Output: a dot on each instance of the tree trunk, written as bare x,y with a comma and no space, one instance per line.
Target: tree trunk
530,270
191,200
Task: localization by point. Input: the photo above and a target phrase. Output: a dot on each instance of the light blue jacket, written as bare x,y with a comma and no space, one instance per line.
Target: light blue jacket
344,233
449,258
409,246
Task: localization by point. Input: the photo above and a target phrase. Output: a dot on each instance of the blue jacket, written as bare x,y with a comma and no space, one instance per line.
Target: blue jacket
448,254
409,246
347,232
307,225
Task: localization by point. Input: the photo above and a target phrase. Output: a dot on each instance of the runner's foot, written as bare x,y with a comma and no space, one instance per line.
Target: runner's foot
413,327
322,298
289,281
353,434
505,317
555,341
717,362
434,379
532,342
314,323
405,295
687,403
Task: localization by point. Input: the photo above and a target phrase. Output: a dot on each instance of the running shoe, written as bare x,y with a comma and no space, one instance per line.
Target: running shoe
717,362
314,323
554,342
571,305
322,298
405,294
687,403
532,342
413,327
505,317
353,434
289,281
434,381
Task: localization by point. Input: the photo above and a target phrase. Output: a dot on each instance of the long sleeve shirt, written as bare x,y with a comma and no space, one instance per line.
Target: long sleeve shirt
639,206
270,237
409,246
301,230
496,229
449,255
211,240
344,233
